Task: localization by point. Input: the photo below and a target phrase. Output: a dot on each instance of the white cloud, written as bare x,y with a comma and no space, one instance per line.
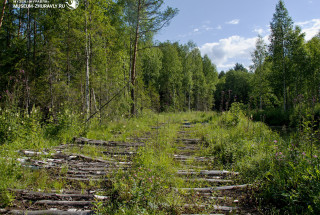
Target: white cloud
219,27
196,30
229,50
310,28
259,31
234,22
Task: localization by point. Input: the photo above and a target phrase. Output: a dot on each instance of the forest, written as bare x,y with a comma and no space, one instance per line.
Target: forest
96,72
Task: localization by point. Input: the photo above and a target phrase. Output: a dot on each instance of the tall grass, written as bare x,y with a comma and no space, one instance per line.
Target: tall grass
22,130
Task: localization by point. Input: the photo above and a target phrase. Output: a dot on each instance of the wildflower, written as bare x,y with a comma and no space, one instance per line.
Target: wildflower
275,141
303,153
315,156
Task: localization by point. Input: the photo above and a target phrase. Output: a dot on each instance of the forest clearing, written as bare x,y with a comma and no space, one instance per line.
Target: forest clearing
99,117
179,163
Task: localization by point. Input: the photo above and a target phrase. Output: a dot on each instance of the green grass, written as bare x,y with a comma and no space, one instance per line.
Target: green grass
285,171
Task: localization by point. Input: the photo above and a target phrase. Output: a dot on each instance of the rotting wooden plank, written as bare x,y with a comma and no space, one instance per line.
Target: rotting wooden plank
32,153
233,187
51,212
87,158
84,179
82,140
210,180
188,141
32,195
211,189
214,207
185,157
120,153
207,172
95,169
65,203
86,175
79,172
4,211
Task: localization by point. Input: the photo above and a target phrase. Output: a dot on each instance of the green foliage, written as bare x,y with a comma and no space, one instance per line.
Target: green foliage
286,171
145,189
292,182
272,117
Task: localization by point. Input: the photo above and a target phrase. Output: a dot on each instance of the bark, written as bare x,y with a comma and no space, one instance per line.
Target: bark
284,87
68,55
94,100
133,69
34,42
2,14
51,85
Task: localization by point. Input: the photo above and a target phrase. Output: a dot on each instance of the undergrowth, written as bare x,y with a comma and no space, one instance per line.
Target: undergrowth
284,171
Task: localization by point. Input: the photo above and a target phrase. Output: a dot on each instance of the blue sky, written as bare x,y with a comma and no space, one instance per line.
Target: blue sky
226,30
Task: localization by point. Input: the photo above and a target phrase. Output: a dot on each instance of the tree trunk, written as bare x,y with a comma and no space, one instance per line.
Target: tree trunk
189,98
20,22
34,41
2,14
133,70
28,60
68,54
284,87
51,88
87,90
